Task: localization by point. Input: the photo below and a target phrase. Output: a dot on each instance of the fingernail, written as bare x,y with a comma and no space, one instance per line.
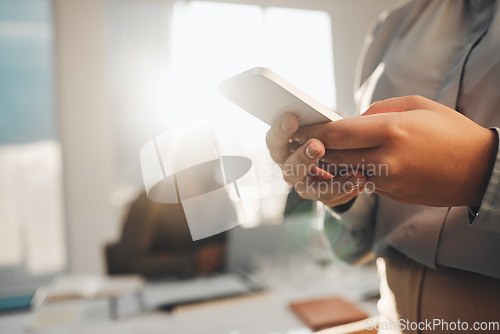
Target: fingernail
311,151
287,124
298,140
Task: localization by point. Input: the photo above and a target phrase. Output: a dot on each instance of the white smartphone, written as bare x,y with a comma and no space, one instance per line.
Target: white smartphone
267,96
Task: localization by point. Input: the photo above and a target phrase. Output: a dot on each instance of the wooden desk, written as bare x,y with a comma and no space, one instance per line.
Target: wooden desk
266,314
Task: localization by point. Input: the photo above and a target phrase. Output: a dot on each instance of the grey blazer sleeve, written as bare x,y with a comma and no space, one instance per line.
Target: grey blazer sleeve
487,216
351,233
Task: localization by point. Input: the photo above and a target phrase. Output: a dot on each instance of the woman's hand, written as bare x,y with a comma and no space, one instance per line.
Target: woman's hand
298,163
414,150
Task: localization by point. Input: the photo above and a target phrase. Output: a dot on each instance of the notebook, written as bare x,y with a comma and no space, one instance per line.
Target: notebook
324,313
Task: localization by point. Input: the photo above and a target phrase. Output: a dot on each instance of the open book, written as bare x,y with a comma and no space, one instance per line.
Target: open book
85,286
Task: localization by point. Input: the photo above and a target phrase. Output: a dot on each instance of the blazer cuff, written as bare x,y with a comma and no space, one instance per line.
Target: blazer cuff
487,216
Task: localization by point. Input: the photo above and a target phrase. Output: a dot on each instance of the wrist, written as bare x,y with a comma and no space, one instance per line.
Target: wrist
486,158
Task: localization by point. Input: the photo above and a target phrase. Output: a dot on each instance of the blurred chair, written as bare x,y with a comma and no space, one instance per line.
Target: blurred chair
155,242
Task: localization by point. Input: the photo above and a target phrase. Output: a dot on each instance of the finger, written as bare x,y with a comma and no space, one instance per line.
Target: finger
338,161
302,162
278,136
378,182
320,173
348,133
334,190
332,198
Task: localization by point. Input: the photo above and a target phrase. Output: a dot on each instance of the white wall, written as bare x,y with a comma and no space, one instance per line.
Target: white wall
85,128
350,21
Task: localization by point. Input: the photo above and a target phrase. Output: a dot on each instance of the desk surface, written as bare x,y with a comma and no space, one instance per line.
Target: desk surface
265,314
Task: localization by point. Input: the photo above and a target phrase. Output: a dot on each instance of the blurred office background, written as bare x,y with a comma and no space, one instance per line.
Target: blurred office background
85,83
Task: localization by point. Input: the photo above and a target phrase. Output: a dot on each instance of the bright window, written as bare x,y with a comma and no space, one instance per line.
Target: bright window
32,234
166,63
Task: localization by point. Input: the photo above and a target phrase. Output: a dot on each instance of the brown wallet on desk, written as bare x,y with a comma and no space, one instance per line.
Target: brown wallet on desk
324,313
